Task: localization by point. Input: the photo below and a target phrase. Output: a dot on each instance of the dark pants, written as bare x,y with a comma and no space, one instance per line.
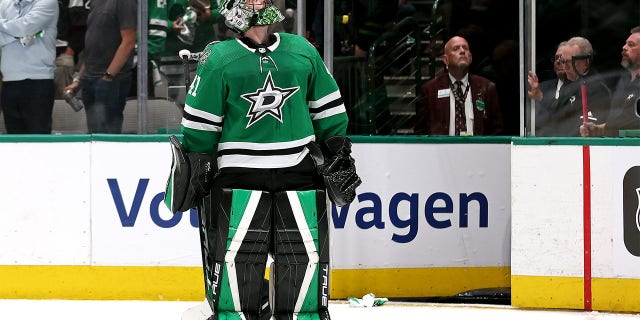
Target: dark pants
27,105
104,102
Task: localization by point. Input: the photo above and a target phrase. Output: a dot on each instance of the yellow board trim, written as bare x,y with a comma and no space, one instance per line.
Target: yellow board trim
416,282
620,295
186,283
547,292
101,283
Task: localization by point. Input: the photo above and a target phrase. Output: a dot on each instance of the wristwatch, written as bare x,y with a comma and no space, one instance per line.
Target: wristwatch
108,75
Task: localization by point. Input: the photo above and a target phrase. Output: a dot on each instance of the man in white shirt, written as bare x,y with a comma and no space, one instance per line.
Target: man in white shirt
27,38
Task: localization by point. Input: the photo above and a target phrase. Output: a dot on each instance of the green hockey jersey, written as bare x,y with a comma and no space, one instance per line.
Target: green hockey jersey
162,40
159,26
258,106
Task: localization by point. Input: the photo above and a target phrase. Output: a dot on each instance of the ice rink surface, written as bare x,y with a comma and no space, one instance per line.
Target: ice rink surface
340,310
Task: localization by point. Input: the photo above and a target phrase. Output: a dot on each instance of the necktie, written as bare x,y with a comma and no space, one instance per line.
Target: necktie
461,119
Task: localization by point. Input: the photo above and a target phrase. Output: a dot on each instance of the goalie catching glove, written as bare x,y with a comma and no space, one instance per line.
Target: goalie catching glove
191,177
337,168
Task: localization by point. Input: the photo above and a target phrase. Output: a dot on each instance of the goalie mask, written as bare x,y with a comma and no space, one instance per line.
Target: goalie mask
240,15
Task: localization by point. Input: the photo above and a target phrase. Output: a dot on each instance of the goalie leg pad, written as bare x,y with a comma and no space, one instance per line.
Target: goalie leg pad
301,255
235,243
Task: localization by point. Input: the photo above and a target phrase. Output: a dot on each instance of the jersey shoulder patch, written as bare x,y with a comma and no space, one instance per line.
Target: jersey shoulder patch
206,53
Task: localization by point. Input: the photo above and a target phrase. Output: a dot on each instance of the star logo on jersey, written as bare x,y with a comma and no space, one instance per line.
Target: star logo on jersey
267,100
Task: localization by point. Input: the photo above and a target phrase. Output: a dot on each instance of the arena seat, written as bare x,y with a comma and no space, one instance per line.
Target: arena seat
163,116
65,120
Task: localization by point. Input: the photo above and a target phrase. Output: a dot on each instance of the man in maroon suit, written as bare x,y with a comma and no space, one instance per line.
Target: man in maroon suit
455,102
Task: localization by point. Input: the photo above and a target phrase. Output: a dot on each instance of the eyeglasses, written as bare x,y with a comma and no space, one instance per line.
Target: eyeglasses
567,62
558,59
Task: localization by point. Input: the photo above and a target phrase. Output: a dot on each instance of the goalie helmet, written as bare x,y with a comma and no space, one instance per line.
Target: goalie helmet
240,15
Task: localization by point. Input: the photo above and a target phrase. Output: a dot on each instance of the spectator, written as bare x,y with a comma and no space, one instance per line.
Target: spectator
64,72
624,102
158,27
160,33
105,75
165,41
72,25
550,88
206,17
566,118
546,93
76,12
165,23
27,39
276,98
598,91
457,102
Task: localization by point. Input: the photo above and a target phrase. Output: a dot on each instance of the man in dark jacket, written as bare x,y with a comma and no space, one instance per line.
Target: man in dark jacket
546,93
456,102
567,116
624,101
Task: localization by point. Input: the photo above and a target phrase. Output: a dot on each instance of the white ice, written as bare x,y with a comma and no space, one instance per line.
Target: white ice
339,310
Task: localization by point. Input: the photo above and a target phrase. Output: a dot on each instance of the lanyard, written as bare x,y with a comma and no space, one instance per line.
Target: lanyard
464,95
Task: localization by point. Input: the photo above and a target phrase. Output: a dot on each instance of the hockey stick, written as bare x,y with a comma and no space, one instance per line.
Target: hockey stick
185,55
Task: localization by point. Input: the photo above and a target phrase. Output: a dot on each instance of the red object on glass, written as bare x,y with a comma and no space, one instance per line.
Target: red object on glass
585,105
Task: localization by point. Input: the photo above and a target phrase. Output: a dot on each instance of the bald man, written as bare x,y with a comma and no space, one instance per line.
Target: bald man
457,103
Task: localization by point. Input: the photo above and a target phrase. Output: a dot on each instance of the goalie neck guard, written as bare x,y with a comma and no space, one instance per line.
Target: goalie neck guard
240,15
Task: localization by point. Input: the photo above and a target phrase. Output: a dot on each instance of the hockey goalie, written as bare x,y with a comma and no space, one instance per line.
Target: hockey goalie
263,147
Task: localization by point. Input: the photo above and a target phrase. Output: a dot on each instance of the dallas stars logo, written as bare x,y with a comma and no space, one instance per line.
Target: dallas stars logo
267,100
